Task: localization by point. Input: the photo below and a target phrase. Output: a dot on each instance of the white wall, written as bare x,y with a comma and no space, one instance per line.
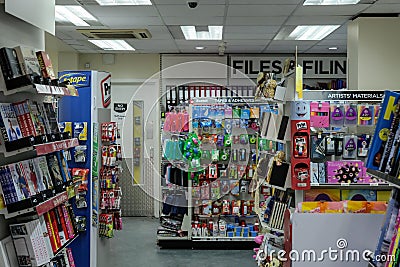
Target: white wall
63,57
373,51
14,32
126,66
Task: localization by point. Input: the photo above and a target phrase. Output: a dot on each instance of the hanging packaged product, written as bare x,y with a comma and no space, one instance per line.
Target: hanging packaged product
80,130
66,127
366,115
350,112
80,153
350,147
337,115
319,114
363,145
234,187
216,189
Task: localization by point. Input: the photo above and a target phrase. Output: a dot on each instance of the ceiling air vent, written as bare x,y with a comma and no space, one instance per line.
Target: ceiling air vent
117,34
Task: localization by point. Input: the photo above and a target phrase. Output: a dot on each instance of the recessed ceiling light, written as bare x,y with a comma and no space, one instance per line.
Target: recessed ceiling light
77,15
333,48
312,32
329,2
200,47
116,45
212,33
124,2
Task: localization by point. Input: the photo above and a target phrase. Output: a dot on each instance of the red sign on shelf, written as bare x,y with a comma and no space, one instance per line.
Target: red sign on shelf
50,204
47,148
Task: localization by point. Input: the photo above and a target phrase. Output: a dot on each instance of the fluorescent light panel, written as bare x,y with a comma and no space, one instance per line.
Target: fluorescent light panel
329,2
116,45
213,33
124,2
312,32
77,15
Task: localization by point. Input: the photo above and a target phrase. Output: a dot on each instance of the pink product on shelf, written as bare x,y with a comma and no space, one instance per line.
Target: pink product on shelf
185,127
70,257
319,114
179,122
167,123
346,171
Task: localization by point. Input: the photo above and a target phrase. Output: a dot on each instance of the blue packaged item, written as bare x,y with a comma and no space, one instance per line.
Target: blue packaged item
251,227
253,233
245,114
245,234
230,234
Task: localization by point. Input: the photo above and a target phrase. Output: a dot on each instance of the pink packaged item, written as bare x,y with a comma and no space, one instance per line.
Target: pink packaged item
319,114
346,171
167,122
179,122
185,127
173,120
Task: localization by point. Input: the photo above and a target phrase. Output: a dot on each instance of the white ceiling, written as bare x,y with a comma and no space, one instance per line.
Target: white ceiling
249,25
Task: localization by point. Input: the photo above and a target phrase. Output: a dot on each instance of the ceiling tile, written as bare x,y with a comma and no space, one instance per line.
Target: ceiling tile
346,10
325,50
193,43
336,36
152,44
333,42
269,2
201,10
246,42
245,49
129,21
249,36
260,10
123,11
179,2
63,35
199,20
66,2
282,50
342,29
317,20
293,42
384,8
253,29
388,1
256,21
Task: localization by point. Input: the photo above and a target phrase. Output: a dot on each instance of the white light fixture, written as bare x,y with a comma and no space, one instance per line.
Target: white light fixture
124,2
213,33
200,47
333,48
77,15
116,45
329,2
312,32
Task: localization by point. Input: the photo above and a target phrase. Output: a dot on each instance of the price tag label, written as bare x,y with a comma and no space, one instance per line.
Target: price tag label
345,184
314,184
43,89
374,184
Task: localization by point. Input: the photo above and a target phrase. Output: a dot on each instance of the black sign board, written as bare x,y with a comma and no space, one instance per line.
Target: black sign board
120,107
343,95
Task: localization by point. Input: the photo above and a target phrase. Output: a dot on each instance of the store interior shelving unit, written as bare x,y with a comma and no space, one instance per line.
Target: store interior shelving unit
36,208
214,96
303,224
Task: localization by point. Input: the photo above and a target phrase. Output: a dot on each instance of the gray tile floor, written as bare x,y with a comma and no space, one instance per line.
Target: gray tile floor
136,246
